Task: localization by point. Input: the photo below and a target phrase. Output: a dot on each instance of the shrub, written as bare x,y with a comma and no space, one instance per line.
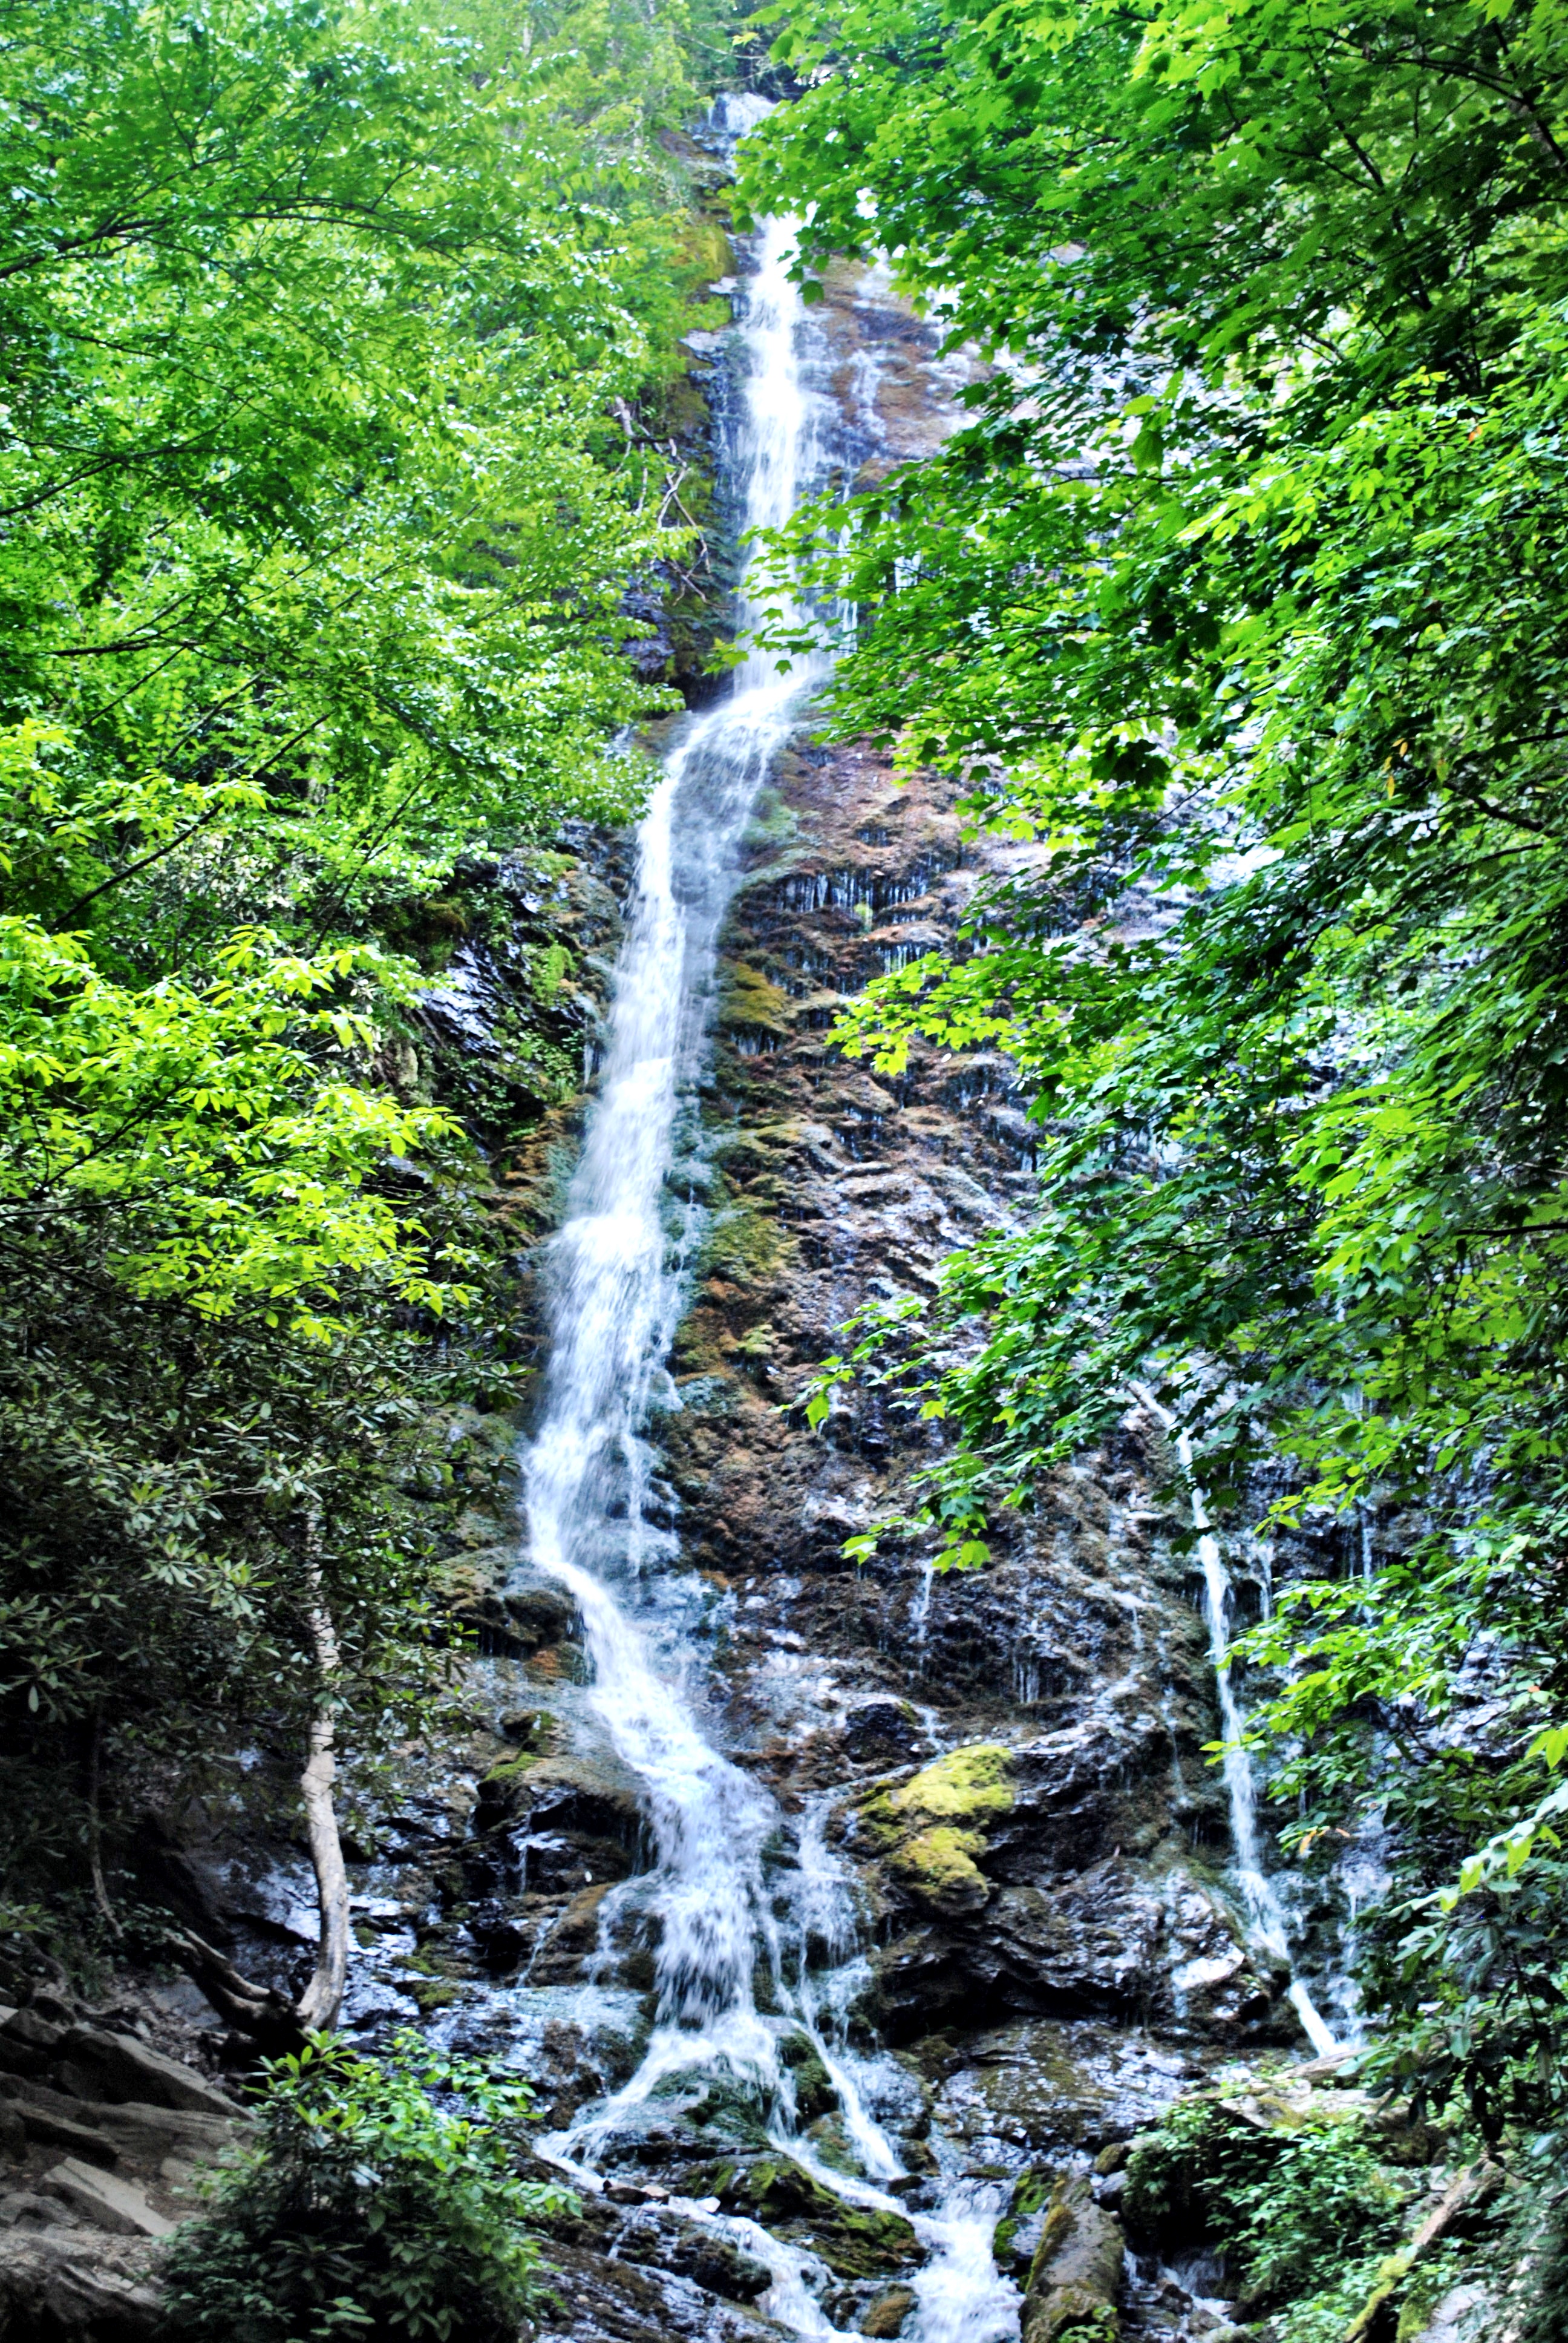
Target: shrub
382,2200
1291,2209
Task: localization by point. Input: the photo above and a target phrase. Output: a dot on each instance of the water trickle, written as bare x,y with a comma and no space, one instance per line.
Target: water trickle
714,1909
1267,1923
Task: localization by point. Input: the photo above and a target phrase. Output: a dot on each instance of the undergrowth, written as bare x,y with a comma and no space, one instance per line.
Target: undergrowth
382,2200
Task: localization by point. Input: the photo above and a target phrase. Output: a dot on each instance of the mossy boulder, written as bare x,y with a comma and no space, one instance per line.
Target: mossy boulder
965,1783
856,2241
1076,2274
814,2092
939,1867
931,1828
1030,2195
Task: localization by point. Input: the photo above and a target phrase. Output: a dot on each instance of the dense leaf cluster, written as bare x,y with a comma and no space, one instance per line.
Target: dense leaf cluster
1242,602
383,2200
1302,2214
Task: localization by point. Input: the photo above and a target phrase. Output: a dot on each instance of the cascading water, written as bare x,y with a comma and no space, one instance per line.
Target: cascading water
617,1293
1268,1924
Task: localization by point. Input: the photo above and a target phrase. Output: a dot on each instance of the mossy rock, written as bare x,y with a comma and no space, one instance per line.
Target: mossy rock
773,823
753,1003
534,1735
814,2092
931,1827
506,1772
939,1865
1071,2314
746,1244
966,1783
1030,2194
531,1731
431,1993
854,2240
1076,2274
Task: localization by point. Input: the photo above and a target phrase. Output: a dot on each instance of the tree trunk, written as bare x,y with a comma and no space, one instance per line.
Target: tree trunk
96,1831
317,2006
259,2010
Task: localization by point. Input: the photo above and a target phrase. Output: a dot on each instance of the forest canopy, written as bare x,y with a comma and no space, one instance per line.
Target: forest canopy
1239,598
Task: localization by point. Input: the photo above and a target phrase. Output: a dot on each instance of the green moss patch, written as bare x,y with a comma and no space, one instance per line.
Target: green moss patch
968,1781
854,2240
753,1003
940,1866
931,1828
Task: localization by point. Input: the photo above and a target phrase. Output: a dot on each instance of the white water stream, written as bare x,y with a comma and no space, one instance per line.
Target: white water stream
617,1293
1267,1923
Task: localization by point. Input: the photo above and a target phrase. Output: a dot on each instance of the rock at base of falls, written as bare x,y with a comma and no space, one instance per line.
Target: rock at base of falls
1077,2265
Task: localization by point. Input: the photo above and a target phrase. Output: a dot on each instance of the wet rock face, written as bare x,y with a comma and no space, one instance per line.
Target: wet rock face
1063,1860
1010,1764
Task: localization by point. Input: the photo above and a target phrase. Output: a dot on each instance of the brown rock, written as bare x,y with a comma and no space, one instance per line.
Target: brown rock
888,2313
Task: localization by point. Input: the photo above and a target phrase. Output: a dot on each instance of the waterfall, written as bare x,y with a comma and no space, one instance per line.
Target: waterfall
1267,1923
616,1282
615,1291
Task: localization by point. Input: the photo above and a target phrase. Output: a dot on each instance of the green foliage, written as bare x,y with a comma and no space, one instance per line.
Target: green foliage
329,327
382,2200
1241,603
1537,2249
1284,2206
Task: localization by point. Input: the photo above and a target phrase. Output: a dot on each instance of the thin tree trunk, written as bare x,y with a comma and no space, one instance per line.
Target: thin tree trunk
317,2006
95,1830
258,2010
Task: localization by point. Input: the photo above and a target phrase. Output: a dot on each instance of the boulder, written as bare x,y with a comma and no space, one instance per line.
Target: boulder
103,2200
35,2032
932,1827
94,2064
82,2140
887,2314
538,1615
146,2135
49,2287
133,2128
1078,2264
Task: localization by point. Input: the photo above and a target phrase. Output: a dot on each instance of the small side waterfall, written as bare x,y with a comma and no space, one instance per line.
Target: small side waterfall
718,1910
1268,1924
